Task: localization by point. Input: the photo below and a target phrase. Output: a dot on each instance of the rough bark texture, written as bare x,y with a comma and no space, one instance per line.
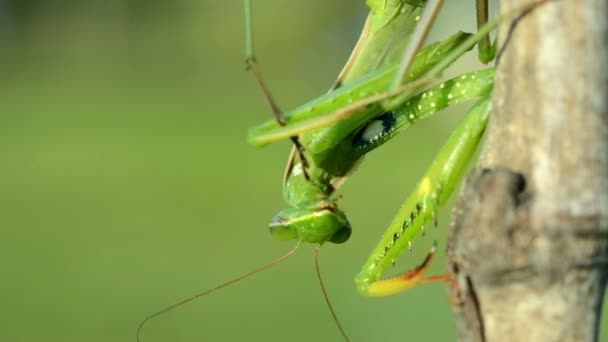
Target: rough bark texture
529,235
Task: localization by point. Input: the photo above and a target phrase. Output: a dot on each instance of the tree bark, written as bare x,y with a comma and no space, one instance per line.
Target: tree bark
529,235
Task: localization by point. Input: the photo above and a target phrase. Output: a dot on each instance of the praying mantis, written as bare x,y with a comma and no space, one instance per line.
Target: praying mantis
388,84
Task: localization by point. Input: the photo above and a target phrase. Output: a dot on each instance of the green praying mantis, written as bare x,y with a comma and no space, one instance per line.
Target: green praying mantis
387,85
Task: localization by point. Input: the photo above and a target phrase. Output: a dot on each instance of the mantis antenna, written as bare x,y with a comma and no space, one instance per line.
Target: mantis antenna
222,285
331,308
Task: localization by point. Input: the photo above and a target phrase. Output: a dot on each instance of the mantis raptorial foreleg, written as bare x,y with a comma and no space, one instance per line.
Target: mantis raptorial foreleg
430,194
462,88
383,128
421,207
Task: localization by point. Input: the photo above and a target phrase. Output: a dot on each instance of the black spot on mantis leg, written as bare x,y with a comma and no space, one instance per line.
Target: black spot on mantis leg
375,130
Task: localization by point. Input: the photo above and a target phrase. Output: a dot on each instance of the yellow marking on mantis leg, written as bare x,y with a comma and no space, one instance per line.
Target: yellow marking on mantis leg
426,186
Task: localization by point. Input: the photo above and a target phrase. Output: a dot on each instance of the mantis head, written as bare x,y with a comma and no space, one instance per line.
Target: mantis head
313,225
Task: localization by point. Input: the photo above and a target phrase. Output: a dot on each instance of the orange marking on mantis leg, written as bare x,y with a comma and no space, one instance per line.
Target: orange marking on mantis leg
403,282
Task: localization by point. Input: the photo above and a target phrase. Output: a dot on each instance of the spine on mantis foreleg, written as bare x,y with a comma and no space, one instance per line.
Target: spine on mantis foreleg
421,206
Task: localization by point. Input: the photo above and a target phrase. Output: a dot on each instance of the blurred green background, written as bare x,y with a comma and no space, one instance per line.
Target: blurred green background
127,184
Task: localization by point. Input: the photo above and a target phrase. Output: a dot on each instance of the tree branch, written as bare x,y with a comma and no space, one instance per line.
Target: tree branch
529,235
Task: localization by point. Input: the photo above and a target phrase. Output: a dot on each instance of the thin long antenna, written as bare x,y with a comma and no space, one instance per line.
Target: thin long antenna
222,285
331,308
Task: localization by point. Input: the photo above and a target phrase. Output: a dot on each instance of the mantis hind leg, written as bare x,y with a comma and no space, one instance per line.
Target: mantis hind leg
486,49
421,208
252,64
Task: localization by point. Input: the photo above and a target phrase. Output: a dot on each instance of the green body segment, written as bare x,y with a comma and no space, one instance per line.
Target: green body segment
388,19
431,192
324,138
339,160
299,120
459,89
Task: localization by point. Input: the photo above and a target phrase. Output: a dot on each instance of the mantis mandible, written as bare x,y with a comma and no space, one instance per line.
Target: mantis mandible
385,87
